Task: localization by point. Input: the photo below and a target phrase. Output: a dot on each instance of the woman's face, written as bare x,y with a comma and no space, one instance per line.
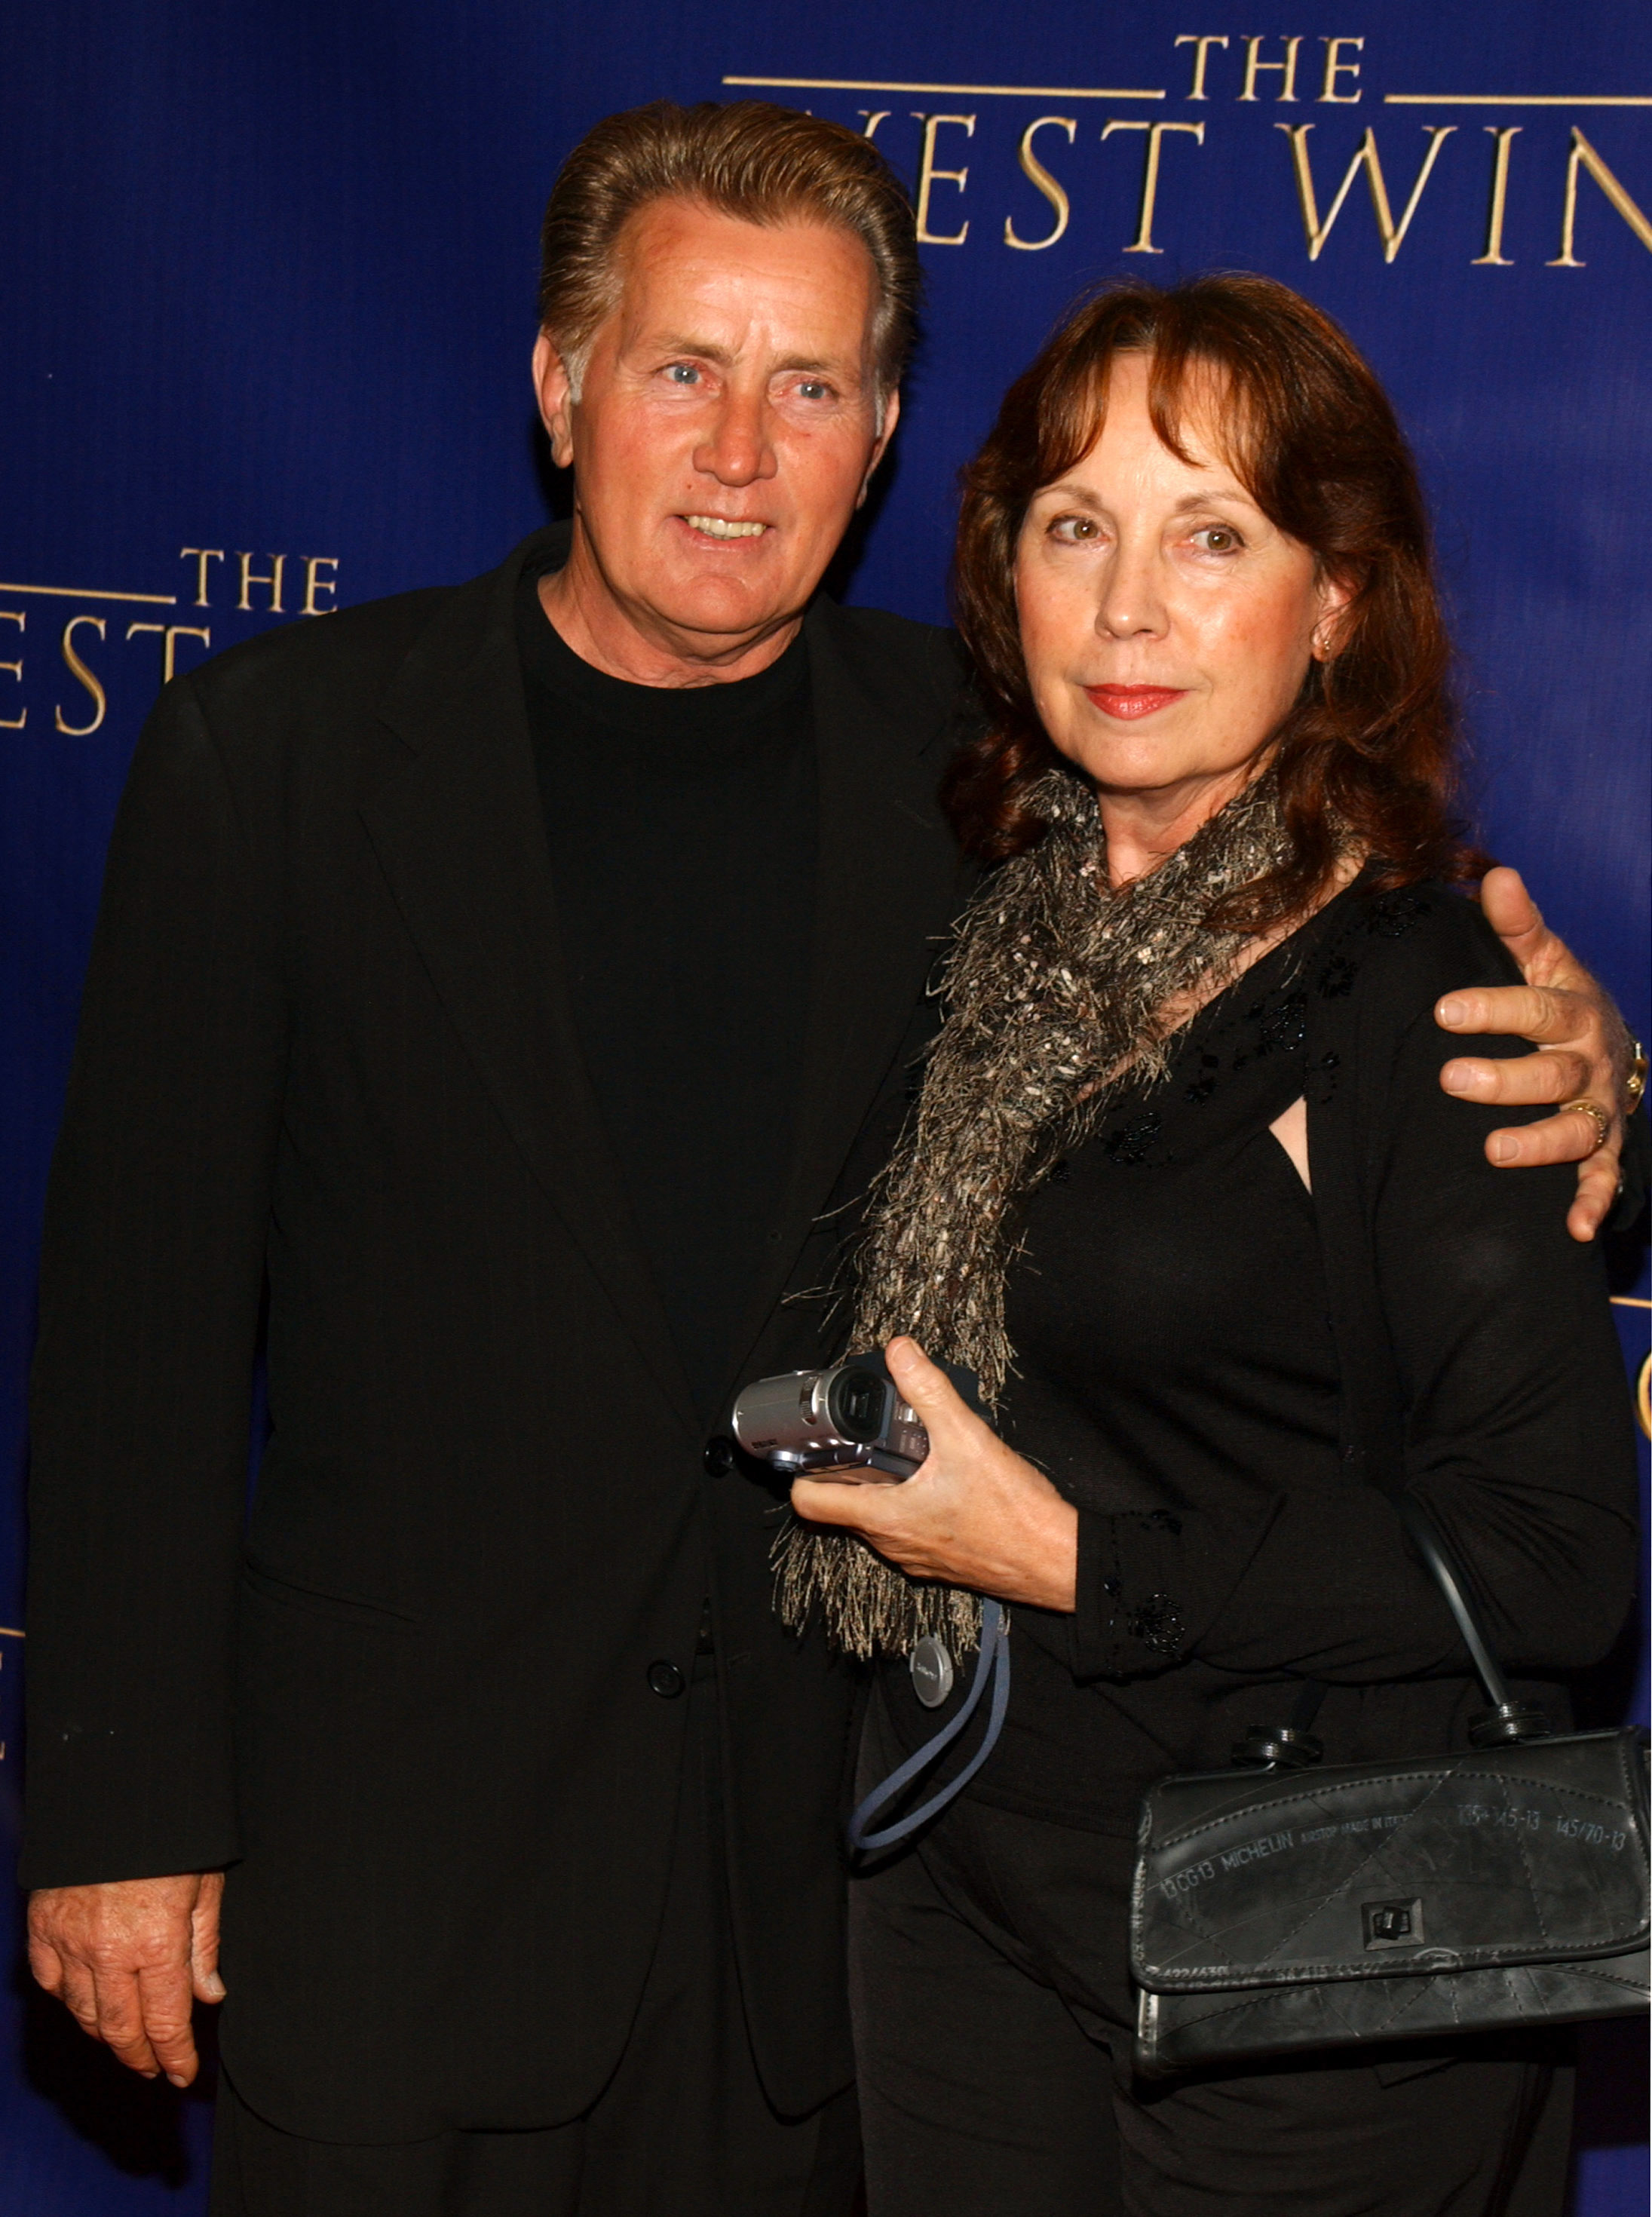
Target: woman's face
1167,624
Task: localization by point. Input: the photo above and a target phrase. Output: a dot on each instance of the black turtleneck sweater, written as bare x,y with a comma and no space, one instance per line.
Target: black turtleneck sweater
682,826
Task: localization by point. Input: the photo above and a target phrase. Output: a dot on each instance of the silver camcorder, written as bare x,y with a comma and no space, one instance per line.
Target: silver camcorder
849,1417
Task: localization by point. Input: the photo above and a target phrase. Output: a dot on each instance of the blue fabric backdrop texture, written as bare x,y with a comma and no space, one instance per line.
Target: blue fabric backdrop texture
268,271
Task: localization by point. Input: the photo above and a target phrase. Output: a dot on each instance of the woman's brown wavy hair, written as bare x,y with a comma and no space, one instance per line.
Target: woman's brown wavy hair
1369,741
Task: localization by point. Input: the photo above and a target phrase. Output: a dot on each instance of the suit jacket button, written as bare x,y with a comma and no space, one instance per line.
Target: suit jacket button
665,1679
718,1457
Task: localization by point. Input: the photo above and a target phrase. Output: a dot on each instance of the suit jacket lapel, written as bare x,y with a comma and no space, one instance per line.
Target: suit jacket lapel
459,833
888,882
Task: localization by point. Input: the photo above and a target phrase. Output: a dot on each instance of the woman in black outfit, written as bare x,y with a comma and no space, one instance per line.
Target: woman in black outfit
1184,1116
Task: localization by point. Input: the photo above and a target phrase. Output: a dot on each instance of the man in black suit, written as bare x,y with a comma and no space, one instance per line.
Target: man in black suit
518,982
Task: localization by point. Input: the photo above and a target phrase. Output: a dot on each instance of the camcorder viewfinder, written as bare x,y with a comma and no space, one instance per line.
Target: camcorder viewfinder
850,1417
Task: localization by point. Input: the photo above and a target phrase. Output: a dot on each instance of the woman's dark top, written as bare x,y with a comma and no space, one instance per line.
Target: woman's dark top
689,992
1178,1377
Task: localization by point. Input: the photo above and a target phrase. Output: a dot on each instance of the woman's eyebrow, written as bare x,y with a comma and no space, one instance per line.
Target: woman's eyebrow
1235,494
1064,489
1083,497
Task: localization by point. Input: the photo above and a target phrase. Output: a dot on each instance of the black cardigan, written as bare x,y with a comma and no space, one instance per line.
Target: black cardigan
1200,1601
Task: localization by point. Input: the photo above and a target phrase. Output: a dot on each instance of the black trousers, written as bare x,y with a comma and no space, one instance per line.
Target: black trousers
988,1980
682,2129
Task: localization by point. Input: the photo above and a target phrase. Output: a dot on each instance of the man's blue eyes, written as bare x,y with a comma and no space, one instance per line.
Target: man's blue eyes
685,372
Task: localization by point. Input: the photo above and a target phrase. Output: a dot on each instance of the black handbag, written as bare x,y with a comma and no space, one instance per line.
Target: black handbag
1279,1906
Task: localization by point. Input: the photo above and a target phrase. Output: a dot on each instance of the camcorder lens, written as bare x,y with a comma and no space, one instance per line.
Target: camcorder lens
854,1402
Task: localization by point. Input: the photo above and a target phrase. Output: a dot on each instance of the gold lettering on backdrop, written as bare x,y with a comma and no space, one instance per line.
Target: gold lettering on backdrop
1143,243
1335,67
250,577
170,634
1583,156
1046,184
1201,56
203,555
1516,100
1393,234
320,591
93,593
314,583
875,116
78,669
929,176
1494,257
1255,67
953,91
20,617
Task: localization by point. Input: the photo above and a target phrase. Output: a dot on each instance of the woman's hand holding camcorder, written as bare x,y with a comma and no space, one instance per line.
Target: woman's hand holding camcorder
976,1514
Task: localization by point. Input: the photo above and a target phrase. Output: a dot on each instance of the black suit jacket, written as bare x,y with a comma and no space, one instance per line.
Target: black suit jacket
326,1059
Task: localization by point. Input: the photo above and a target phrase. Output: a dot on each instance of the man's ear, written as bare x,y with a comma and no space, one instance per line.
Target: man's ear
553,388
891,418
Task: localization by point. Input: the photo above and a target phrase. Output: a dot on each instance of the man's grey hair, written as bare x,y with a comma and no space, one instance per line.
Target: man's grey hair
751,159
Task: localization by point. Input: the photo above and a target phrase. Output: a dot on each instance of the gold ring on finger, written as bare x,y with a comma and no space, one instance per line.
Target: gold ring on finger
1584,1107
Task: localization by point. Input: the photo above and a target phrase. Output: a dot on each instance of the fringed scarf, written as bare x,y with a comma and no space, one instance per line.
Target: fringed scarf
1060,992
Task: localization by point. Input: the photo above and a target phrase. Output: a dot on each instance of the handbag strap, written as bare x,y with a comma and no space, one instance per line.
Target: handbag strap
1428,1544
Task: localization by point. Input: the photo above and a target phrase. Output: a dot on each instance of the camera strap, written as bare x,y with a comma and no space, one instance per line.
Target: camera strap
991,1663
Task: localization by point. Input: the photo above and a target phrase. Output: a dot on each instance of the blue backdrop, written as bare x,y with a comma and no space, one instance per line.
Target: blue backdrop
269,266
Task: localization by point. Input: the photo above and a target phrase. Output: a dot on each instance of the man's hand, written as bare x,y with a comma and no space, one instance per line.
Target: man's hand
129,1959
1583,1053
976,1514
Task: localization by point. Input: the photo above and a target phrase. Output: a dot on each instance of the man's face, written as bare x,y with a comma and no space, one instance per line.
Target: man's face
726,423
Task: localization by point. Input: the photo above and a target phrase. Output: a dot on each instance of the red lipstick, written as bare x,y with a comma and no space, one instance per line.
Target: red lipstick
1128,702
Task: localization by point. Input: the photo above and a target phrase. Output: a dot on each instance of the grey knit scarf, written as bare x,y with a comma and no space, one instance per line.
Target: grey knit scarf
1060,992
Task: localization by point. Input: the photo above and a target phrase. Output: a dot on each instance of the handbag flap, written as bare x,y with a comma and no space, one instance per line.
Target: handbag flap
1522,1854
